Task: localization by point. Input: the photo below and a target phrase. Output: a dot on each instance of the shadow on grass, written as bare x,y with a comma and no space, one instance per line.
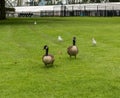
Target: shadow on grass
72,58
24,20
49,66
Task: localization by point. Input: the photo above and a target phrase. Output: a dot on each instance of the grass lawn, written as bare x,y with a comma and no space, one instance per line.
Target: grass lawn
94,74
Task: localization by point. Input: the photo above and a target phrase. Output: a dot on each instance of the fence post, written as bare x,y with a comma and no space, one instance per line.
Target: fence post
97,11
112,10
84,10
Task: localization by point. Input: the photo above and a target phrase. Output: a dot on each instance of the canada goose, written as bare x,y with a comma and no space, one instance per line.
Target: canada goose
94,42
73,50
47,58
60,38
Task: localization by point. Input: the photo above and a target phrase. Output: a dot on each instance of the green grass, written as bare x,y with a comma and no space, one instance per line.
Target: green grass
94,74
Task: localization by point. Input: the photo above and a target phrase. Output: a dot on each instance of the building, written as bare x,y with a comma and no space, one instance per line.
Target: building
51,2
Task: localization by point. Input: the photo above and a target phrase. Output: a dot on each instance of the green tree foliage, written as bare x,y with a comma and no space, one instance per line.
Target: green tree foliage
114,0
84,1
98,1
91,1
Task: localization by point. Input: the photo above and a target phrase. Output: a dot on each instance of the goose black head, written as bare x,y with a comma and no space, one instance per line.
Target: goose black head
45,47
74,40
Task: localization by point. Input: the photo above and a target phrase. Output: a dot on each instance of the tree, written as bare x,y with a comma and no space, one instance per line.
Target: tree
2,10
114,0
93,1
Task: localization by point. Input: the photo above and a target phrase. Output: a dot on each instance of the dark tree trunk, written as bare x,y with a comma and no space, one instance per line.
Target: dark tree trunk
2,10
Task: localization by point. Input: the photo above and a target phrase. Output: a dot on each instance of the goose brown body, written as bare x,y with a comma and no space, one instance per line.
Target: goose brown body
47,58
73,50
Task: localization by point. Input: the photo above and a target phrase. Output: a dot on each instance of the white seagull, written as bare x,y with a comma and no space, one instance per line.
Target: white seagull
35,22
60,38
94,42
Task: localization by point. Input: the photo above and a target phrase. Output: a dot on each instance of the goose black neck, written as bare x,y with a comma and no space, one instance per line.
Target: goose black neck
46,52
74,42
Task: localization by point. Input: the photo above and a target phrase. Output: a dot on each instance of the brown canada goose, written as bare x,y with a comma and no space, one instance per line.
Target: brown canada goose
47,58
73,50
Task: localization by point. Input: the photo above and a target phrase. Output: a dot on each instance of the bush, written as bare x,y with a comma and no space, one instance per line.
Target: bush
10,9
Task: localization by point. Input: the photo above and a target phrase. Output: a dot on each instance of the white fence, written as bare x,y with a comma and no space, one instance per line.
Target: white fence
91,9
92,6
